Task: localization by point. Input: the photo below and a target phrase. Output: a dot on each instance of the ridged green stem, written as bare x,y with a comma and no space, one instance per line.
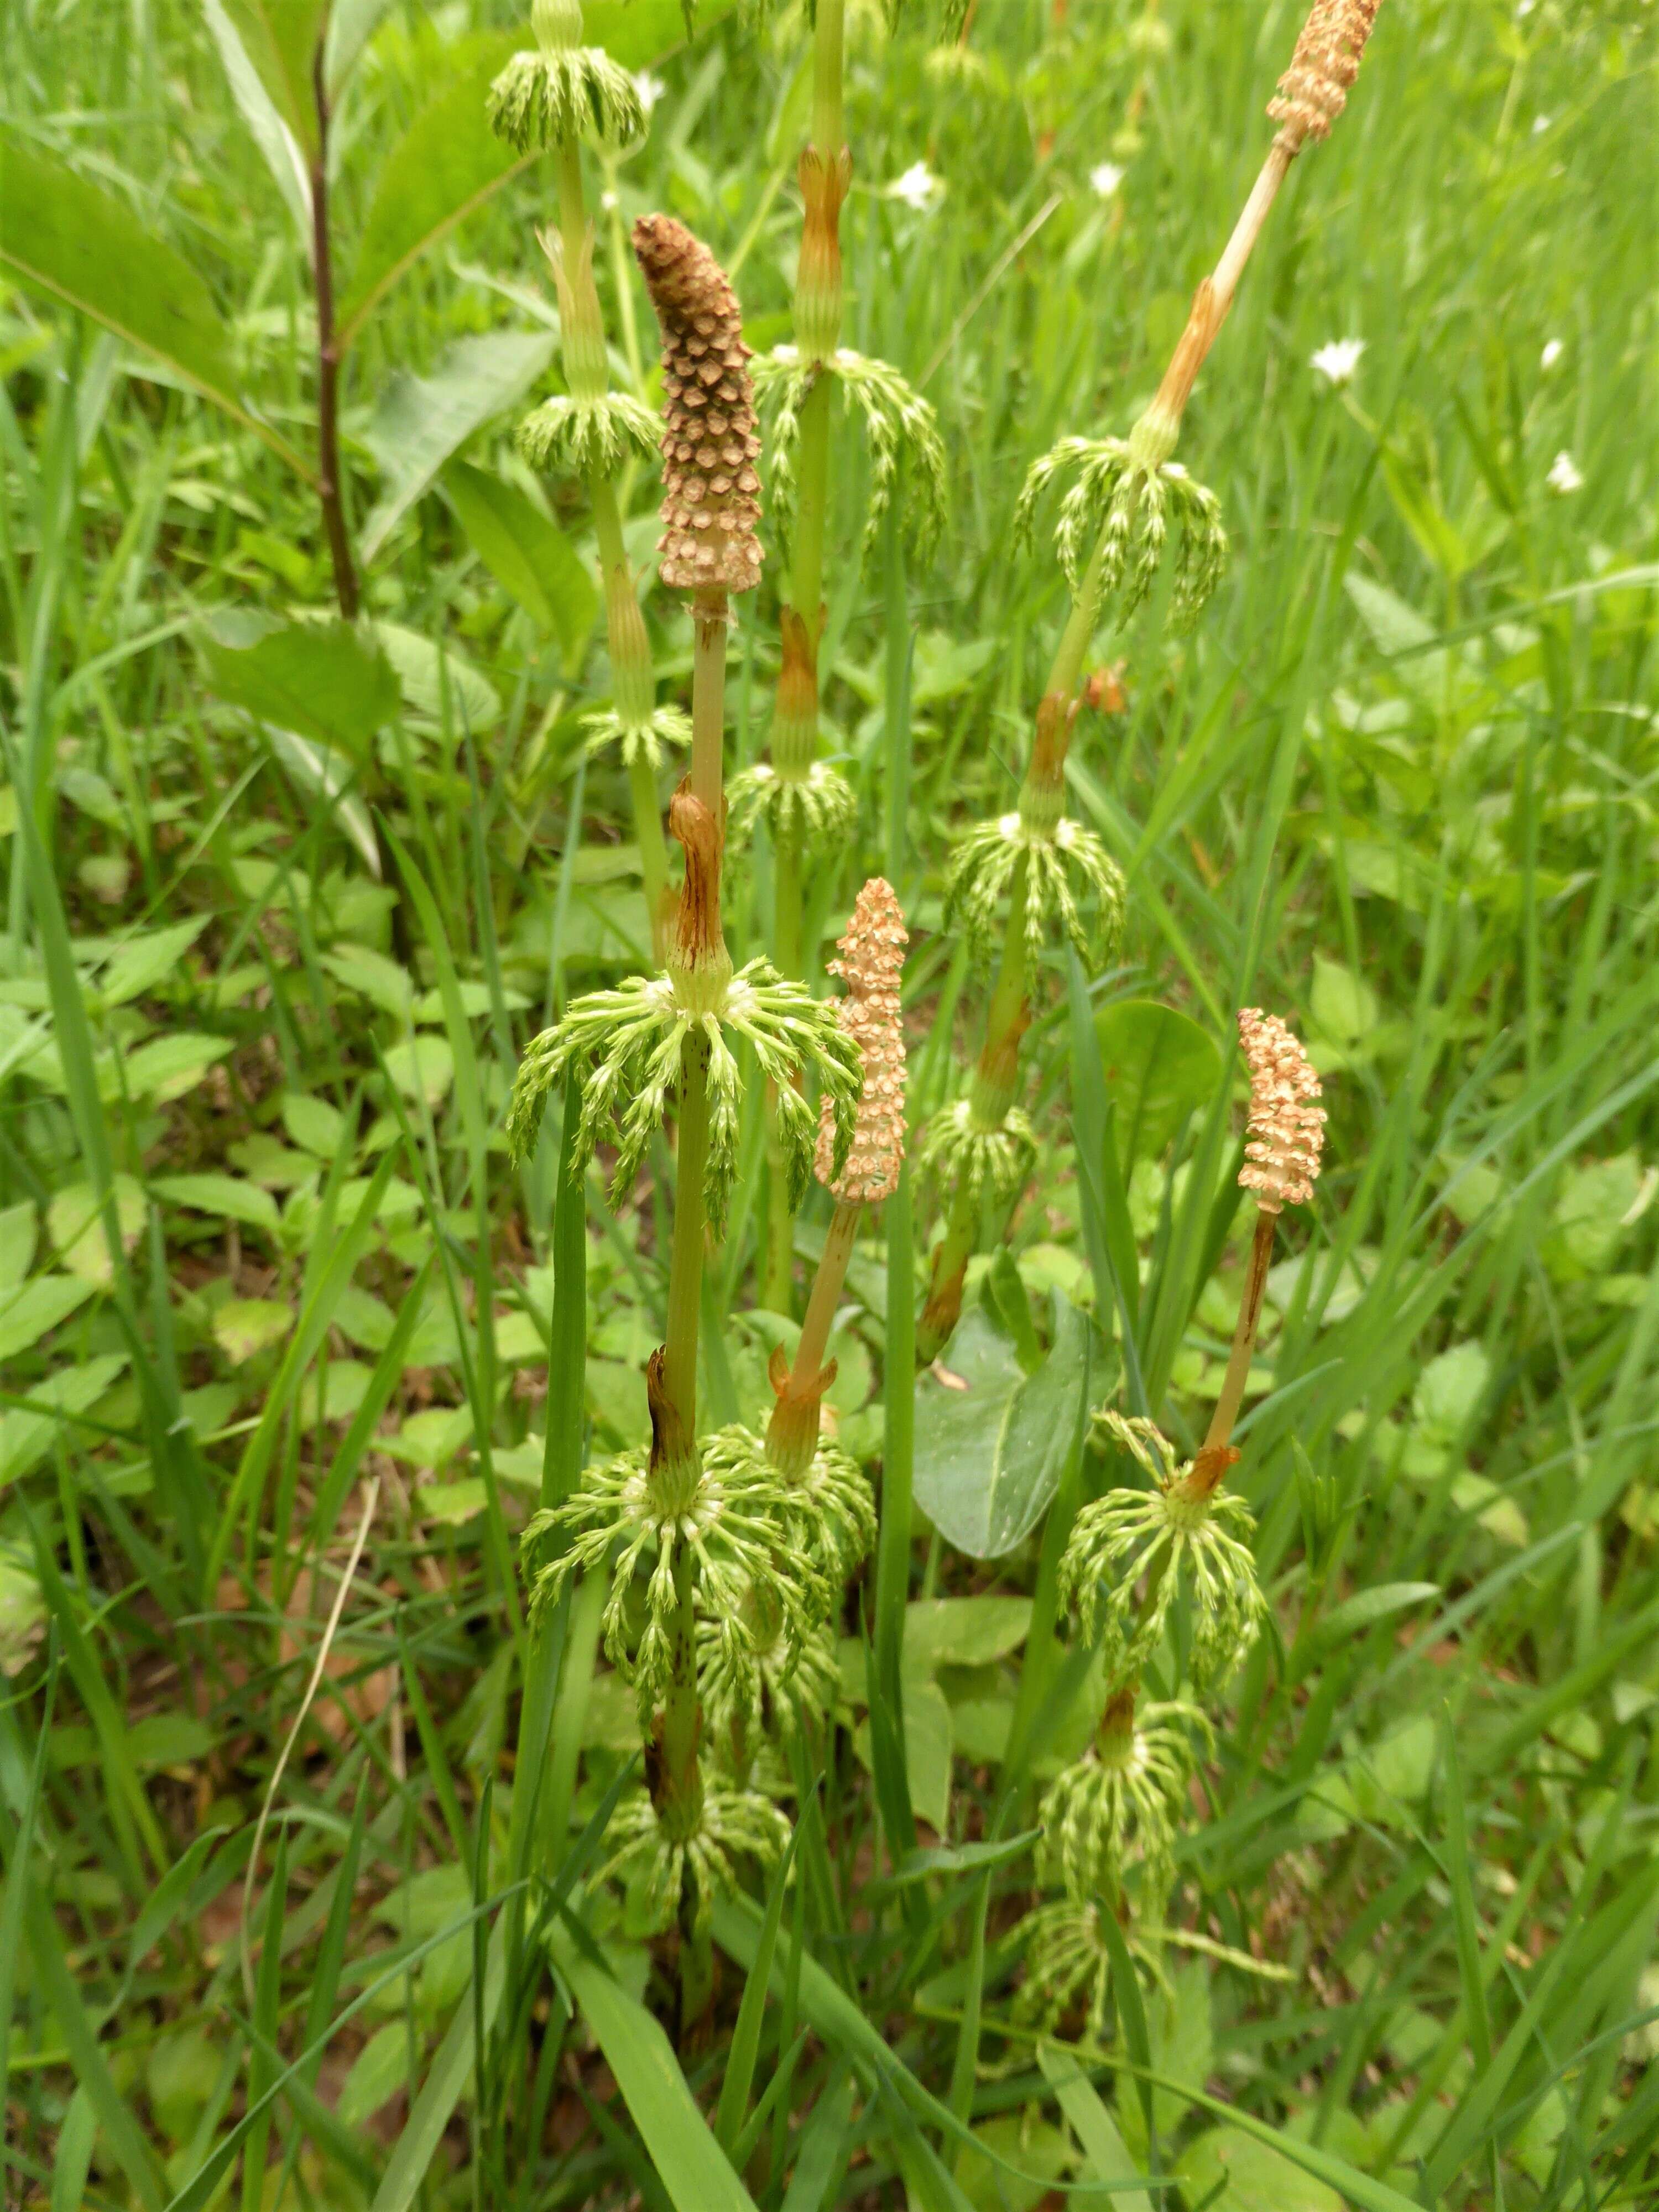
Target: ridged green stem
990,1096
795,723
995,1080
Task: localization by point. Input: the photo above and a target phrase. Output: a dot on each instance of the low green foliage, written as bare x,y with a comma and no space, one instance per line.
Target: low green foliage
1070,1826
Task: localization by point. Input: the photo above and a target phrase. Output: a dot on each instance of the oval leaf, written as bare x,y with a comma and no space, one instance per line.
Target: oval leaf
1160,1066
991,1442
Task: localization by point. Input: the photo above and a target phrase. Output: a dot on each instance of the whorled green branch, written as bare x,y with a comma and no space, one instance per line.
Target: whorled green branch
627,1047
901,426
1180,1536
1127,496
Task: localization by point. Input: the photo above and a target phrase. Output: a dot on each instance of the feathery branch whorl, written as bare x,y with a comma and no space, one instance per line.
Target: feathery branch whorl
1314,90
1286,1129
871,959
710,502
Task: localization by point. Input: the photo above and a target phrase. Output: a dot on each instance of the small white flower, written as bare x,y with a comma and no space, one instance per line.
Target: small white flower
650,88
608,201
1541,123
918,187
1338,361
1105,177
1564,476
1551,355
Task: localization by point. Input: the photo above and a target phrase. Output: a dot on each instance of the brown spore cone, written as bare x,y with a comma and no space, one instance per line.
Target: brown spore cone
711,493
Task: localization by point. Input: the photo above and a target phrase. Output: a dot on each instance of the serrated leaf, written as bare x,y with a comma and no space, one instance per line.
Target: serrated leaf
144,963
168,1066
422,421
227,1198
423,671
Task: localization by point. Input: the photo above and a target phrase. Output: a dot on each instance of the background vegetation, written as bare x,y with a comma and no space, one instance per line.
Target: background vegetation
1400,786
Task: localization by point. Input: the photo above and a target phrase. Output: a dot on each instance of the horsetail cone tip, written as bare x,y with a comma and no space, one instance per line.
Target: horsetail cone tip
1286,1129
1314,90
872,960
711,499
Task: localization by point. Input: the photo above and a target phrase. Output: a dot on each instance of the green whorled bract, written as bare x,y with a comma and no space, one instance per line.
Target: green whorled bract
587,437
1122,1803
1068,1966
542,99
827,1506
819,808
960,1155
639,740
627,1047
982,868
1133,499
900,425
1175,1539
734,1523
723,1824
789,1689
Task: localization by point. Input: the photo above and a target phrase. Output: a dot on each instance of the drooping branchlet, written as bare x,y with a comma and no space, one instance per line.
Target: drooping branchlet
711,493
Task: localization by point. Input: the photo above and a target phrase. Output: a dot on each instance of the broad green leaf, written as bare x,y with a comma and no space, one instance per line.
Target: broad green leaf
1367,1607
379,980
689,2161
281,39
1598,1204
245,1326
75,1228
423,420
351,25
324,772
271,131
1228,2171
313,1122
991,1442
448,164
168,1066
19,1230
180,2075
529,557
28,1312
379,2071
1343,1005
144,963
325,680
423,671
1449,1393
227,1198
1160,1066
422,1066
963,1632
88,249
27,1436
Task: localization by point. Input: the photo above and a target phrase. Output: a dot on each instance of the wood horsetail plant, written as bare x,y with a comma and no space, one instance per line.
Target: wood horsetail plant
1111,1818
803,799
550,99
1112,532
722,1524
